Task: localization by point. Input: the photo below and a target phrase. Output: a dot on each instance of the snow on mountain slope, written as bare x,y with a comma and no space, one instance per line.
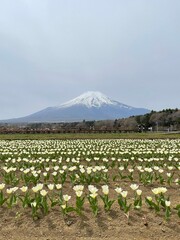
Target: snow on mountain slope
89,106
92,99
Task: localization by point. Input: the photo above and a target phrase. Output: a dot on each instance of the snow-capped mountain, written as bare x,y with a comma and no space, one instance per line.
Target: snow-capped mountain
91,99
88,106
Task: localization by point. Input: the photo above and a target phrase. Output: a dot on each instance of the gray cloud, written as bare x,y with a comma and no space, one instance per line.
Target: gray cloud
54,50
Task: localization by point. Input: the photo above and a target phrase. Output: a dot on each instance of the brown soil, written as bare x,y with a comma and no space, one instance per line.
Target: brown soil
113,225
17,224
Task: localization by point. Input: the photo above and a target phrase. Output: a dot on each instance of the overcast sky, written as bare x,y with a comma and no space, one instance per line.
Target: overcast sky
54,50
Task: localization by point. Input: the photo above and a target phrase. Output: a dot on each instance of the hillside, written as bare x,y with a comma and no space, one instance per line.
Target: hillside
165,120
90,106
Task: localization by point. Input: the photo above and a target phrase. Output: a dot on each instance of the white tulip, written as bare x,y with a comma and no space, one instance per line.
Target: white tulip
124,194
139,192
24,188
118,190
155,191
66,197
93,195
34,204
167,203
43,192
79,193
105,189
134,186
50,186
92,189
2,185
58,186
149,198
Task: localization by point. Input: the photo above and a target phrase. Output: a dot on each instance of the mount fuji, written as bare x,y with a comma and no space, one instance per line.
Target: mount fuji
88,106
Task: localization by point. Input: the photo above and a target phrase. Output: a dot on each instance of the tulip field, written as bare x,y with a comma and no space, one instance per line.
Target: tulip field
83,183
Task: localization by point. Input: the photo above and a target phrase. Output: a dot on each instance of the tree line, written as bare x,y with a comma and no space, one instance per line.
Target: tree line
165,120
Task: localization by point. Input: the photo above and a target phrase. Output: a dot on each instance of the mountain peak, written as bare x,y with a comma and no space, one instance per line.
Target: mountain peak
88,106
90,99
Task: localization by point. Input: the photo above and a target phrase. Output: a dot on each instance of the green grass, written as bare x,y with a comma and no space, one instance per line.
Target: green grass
90,136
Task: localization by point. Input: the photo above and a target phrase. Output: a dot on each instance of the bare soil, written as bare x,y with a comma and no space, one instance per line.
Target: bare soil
17,223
